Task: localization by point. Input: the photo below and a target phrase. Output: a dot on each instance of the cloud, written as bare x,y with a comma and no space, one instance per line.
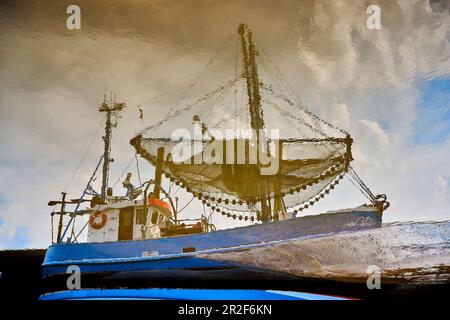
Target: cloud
441,186
376,139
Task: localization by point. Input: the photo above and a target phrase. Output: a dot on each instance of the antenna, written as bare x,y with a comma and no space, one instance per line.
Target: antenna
111,108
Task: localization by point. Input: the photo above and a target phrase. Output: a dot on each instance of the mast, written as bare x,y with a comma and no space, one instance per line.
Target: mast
111,108
252,78
254,100
63,203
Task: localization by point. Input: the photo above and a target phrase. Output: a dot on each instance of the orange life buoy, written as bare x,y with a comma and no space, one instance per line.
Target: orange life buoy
93,219
159,203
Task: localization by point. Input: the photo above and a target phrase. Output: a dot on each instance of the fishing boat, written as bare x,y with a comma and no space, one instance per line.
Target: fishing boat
242,163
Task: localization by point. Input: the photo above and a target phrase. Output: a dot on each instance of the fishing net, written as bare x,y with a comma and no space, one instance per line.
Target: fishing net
299,164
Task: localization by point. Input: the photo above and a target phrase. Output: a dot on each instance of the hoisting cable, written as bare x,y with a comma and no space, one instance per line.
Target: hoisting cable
73,215
185,205
171,114
124,170
359,184
362,184
194,82
137,168
83,157
85,153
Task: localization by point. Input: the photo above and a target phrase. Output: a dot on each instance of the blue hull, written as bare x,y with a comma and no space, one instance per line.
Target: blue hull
184,294
127,256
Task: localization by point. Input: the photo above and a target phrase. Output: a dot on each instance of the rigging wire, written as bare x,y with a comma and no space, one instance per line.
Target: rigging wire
293,94
73,216
178,212
170,115
124,170
362,184
83,157
137,168
85,153
196,79
349,178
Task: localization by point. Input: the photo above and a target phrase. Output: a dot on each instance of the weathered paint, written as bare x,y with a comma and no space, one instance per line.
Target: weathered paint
130,255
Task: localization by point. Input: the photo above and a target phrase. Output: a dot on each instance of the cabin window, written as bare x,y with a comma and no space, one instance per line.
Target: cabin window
154,217
141,216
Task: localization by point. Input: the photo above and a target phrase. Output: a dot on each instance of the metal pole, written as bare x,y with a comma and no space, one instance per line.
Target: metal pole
80,200
60,224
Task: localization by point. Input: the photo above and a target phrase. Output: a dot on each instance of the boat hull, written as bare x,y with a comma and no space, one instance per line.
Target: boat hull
130,260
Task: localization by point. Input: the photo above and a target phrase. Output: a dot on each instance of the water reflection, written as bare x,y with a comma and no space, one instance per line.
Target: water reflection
388,87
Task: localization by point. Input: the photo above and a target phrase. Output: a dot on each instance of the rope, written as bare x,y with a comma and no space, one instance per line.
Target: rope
185,205
72,218
82,229
85,153
81,160
190,86
123,172
171,114
137,168
349,178
361,183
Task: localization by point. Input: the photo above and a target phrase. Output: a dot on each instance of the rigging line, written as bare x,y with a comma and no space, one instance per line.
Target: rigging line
178,212
137,168
224,94
171,115
362,186
176,191
292,105
349,178
234,115
361,182
315,119
82,229
295,125
85,154
215,102
124,170
276,80
210,216
72,233
194,80
292,91
171,184
204,211
280,74
83,157
205,68
72,217
287,114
